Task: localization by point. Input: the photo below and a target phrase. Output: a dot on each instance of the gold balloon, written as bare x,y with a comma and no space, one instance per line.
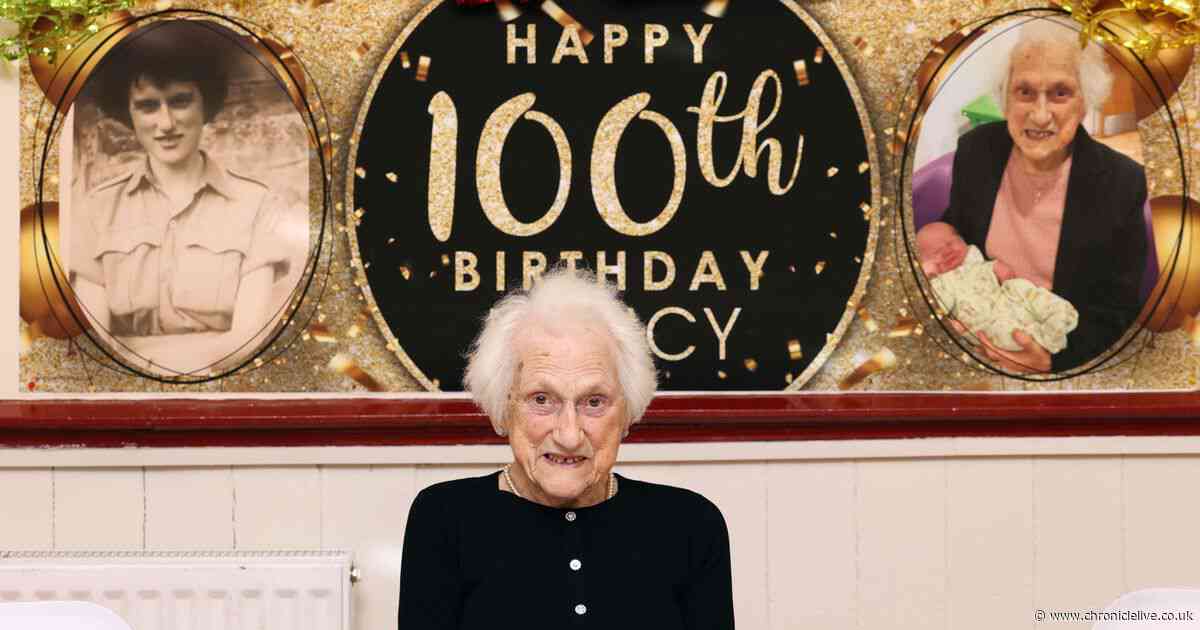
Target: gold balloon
79,62
1167,68
42,305
1181,292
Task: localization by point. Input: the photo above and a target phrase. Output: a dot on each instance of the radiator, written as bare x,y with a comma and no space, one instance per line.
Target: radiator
191,590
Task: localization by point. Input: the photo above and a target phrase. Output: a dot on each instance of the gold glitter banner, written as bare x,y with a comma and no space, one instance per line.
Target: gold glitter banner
891,53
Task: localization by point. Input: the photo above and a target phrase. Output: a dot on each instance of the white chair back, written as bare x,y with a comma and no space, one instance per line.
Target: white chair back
1138,607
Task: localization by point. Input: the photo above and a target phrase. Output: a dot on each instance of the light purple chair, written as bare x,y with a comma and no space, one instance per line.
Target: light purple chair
931,196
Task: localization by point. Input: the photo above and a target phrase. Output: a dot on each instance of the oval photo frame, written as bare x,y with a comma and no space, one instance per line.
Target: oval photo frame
186,164
959,120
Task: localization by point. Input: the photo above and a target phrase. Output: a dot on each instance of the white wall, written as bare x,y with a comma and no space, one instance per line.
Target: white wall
940,533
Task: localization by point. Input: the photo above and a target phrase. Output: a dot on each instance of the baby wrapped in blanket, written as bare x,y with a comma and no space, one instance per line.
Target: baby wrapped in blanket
987,297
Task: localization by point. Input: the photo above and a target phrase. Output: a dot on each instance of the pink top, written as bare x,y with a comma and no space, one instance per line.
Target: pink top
1027,220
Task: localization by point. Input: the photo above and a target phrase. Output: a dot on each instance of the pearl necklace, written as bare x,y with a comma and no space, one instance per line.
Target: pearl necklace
612,483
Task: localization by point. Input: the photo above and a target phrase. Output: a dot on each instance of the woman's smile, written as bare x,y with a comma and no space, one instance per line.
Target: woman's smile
565,462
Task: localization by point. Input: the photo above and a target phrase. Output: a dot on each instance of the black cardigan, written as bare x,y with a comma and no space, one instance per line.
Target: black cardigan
1102,246
652,556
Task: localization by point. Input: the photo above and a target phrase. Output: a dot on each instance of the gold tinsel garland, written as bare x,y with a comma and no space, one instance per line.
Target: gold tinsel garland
46,27
1143,42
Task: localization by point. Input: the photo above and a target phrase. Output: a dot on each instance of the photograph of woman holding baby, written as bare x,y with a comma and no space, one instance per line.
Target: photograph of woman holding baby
1047,205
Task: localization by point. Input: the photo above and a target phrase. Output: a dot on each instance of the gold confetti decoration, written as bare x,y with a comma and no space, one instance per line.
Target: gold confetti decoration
819,267
801,72
565,20
359,212
863,167
346,366
750,364
358,52
863,46
321,333
794,350
405,272
423,63
391,240
819,55
833,170
884,359
722,375
391,177
405,62
867,320
903,327
445,260
507,10
361,172
858,259
788,378
716,8
833,235
866,210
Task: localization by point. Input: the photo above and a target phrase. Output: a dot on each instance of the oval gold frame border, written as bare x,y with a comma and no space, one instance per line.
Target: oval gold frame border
833,339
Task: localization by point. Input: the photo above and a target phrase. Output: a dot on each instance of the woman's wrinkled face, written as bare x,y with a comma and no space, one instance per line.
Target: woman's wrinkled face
566,415
1044,102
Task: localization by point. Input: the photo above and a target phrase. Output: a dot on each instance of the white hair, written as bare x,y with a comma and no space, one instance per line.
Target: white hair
1095,79
561,296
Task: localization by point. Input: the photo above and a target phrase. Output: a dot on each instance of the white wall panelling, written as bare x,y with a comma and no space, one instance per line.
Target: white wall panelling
27,515
811,549
1161,514
989,543
189,508
900,509
99,508
899,542
277,507
1079,556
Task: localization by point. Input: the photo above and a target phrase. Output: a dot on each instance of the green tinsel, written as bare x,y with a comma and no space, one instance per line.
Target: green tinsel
64,23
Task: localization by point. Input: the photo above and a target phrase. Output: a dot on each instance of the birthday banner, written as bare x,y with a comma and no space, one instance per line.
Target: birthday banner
793,195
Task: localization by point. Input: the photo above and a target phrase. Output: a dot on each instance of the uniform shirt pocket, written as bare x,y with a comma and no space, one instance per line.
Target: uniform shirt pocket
128,256
209,268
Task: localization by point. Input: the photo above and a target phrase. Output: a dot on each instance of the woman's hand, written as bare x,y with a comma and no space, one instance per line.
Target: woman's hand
1004,273
1030,359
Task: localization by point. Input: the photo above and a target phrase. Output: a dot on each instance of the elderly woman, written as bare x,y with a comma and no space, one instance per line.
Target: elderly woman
174,259
1061,209
556,539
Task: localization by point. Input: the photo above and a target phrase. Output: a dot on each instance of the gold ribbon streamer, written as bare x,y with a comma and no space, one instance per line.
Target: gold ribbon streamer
1143,42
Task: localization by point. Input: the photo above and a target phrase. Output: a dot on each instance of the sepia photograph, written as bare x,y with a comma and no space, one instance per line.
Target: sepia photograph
1029,197
187,228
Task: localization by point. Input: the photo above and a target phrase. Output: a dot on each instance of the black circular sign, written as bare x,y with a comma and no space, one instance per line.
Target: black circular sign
711,161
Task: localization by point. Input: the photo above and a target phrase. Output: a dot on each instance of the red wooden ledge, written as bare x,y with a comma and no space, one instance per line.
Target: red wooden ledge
703,418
